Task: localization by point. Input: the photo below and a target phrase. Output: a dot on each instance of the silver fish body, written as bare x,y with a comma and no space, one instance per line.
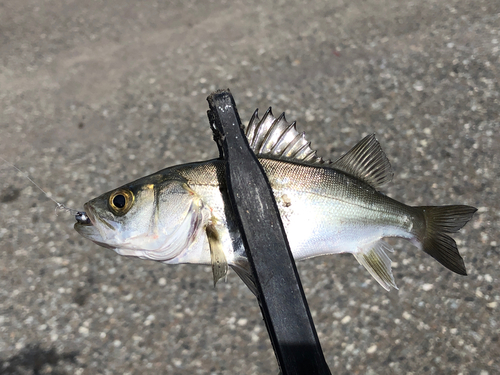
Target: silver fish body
182,214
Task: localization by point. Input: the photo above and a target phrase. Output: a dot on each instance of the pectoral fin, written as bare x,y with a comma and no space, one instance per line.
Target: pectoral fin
218,258
375,260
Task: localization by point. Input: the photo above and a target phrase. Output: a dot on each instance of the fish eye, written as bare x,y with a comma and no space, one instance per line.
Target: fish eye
120,201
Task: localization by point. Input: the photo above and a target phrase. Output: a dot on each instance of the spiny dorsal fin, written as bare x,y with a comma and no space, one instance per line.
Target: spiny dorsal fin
367,162
276,138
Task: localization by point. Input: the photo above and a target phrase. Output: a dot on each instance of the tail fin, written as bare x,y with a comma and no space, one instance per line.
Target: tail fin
441,220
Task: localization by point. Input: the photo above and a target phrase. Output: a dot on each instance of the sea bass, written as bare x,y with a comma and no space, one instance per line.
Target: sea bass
182,214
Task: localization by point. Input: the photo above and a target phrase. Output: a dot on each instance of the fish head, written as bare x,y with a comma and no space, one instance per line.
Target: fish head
152,218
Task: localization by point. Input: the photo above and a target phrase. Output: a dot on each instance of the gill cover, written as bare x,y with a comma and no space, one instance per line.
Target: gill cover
178,219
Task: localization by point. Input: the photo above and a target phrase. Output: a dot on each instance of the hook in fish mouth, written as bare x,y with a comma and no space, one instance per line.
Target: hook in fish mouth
82,218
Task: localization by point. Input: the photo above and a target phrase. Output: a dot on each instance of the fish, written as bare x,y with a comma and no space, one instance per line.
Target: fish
182,214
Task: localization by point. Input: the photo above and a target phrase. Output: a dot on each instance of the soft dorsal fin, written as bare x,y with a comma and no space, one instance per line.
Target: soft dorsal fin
276,138
367,162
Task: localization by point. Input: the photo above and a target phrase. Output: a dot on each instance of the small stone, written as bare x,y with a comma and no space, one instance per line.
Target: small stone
177,362
418,86
346,319
149,320
427,287
241,322
309,116
492,305
162,281
372,349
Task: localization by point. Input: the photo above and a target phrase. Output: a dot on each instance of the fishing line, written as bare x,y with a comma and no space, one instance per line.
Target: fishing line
59,206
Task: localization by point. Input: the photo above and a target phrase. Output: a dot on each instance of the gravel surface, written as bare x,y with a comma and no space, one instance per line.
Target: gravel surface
94,94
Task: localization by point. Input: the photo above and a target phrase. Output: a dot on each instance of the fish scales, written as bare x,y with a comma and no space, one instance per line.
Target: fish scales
336,203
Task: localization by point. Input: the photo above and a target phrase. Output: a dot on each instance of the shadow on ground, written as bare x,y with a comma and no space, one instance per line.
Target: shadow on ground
32,360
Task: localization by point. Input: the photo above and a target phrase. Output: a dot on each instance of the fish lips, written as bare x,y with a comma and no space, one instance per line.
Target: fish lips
90,231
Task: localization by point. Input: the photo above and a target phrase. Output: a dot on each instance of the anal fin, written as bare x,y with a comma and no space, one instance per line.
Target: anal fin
218,258
374,258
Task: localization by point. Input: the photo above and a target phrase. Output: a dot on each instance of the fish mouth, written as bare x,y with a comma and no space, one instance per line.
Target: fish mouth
82,218
91,233
85,218
88,231
87,228
89,212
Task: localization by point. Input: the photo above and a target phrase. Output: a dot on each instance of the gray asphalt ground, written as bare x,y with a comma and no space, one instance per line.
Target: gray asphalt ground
94,94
